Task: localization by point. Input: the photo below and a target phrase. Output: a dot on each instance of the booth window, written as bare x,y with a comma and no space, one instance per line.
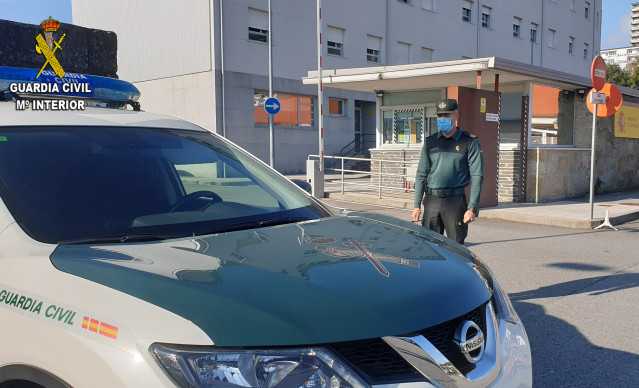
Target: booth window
553,116
403,126
295,111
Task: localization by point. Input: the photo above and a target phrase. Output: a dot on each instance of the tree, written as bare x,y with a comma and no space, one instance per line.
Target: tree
616,75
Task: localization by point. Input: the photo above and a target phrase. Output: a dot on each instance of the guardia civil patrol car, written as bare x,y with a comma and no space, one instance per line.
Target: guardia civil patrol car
138,250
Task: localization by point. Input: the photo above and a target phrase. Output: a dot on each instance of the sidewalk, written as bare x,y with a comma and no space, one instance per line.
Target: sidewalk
574,213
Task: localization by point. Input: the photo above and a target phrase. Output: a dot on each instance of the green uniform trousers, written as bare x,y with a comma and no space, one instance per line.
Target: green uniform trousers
446,213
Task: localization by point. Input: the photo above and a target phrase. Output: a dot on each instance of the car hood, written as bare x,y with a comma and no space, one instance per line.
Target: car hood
335,279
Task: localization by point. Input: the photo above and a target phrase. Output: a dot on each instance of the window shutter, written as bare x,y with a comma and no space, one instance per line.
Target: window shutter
258,19
335,35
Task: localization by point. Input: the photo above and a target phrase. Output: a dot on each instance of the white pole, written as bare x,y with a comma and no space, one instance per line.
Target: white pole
320,86
270,87
592,160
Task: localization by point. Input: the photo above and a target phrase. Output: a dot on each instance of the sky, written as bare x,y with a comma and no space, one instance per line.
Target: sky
615,31
615,23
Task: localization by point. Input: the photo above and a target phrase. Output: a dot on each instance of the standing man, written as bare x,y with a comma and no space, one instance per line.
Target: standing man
450,160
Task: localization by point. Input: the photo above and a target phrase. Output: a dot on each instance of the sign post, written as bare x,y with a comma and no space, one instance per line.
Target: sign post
610,100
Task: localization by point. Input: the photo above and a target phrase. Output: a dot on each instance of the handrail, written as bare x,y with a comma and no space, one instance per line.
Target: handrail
362,140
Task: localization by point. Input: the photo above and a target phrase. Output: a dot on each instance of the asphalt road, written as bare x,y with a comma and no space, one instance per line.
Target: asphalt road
577,292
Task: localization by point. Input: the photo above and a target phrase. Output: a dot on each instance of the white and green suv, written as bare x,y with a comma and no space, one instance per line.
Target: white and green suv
138,250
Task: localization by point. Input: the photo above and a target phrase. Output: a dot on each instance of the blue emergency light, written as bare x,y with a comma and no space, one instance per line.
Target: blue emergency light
23,81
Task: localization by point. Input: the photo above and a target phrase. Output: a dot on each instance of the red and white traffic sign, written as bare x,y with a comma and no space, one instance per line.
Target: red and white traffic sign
598,73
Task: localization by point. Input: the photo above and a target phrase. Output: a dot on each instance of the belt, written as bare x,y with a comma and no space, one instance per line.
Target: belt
442,193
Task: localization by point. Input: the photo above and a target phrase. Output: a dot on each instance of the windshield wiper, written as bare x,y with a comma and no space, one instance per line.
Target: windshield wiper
119,238
252,225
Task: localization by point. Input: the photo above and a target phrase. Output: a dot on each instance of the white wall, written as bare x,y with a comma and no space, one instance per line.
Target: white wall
156,39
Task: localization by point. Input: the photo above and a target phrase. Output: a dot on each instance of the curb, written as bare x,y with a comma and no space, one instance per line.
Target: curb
491,213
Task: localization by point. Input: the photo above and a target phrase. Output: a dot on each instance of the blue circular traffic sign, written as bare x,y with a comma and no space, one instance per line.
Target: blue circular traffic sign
272,106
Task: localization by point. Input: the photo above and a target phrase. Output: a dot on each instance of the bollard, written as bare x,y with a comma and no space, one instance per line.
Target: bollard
315,177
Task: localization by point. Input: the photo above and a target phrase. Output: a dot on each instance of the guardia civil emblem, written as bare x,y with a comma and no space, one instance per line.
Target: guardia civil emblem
46,45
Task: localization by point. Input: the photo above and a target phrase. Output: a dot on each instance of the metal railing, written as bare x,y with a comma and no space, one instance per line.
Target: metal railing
354,146
347,174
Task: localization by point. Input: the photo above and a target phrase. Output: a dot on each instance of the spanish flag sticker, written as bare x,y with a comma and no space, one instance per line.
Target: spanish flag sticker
100,327
108,330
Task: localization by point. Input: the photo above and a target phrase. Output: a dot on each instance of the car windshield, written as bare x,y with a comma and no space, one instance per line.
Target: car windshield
119,184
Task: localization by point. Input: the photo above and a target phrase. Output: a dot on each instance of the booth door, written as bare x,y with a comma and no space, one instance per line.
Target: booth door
479,114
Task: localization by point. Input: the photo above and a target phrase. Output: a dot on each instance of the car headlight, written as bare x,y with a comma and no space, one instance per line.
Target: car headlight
504,309
201,367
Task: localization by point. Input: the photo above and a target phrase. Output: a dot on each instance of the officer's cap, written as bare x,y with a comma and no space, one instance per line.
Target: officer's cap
447,105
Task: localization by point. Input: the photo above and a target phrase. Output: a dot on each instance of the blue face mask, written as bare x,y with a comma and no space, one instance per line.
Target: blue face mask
444,124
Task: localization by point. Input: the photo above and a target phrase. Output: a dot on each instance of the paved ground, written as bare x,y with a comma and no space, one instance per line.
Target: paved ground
576,290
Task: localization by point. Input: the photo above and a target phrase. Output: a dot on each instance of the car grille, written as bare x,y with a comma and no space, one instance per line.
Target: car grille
378,363
442,335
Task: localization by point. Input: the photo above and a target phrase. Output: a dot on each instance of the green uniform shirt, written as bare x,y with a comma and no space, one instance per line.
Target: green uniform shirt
449,163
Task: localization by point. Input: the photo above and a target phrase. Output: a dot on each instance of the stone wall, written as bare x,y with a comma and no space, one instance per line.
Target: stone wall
564,173
508,184
396,169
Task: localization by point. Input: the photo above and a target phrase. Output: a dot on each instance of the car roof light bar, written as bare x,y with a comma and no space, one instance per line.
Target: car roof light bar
85,86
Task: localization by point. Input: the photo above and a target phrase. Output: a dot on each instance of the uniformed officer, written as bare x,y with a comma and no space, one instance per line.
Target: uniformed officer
450,160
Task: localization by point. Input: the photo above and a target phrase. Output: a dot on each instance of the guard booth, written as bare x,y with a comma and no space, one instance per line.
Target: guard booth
533,123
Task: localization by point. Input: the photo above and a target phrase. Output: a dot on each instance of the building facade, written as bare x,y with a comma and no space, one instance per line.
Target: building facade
620,56
207,60
634,25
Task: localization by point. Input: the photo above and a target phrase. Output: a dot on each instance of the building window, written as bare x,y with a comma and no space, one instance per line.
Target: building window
335,41
403,53
553,117
552,38
571,45
405,1
374,46
295,111
257,25
533,32
336,106
517,27
428,5
372,55
485,17
427,54
467,15
587,10
585,50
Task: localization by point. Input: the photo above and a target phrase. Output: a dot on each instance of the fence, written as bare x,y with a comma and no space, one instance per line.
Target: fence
384,178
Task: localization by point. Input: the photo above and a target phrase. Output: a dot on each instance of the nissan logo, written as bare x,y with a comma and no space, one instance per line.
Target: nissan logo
471,342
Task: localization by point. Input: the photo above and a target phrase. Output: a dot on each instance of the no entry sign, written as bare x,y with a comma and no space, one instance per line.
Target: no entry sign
598,73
